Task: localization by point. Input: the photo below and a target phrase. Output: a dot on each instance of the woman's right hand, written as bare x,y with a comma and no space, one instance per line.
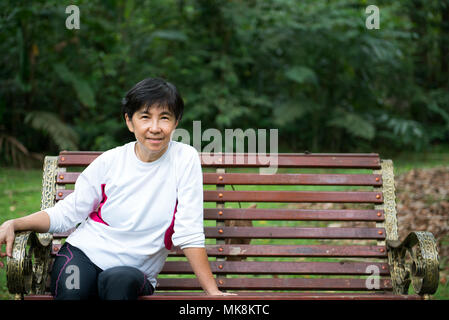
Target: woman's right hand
6,237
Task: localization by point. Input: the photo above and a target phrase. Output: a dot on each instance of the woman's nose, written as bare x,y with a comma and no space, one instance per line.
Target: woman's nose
154,126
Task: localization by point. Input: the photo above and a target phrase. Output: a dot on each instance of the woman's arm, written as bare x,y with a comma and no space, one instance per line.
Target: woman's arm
38,222
200,264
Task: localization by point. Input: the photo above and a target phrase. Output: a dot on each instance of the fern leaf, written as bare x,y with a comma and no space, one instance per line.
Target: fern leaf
62,134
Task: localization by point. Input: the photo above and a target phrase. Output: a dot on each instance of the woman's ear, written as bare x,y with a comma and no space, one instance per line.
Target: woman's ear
129,123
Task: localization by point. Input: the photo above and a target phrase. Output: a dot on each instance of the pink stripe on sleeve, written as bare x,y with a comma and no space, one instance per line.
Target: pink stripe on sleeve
96,215
171,229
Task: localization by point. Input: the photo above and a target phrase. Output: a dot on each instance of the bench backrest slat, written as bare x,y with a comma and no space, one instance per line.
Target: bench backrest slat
293,179
278,179
280,267
278,196
290,160
275,251
293,214
293,196
294,233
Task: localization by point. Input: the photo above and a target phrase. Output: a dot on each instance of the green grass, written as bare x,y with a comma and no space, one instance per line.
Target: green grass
403,162
20,193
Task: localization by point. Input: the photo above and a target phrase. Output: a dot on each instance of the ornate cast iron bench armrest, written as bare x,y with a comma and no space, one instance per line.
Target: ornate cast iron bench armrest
27,270
422,271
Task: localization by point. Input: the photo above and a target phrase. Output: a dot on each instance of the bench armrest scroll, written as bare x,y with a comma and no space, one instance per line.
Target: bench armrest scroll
423,268
27,270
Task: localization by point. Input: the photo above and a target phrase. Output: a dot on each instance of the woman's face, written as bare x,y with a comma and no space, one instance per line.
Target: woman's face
153,128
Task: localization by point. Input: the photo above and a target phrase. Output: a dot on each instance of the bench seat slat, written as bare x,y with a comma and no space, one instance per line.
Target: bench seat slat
294,233
282,267
336,284
267,295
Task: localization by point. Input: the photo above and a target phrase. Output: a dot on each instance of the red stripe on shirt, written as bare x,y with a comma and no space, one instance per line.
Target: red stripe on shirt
96,215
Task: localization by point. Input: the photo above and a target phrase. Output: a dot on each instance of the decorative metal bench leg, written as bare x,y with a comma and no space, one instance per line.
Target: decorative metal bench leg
27,270
423,269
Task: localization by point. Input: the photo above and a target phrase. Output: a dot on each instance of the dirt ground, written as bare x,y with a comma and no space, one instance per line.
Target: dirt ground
422,198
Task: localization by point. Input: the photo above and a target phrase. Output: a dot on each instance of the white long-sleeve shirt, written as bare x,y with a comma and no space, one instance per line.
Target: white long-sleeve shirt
126,207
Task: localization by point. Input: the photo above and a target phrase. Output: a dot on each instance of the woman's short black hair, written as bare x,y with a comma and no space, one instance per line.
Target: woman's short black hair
153,92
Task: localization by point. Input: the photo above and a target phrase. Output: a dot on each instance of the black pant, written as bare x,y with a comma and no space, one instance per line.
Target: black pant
75,277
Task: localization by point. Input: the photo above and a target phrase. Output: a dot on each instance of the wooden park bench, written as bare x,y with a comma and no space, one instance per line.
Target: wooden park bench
287,248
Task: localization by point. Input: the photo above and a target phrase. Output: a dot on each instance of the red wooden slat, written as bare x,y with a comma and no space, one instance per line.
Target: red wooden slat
279,196
354,251
60,235
77,158
282,214
366,161
293,179
67,177
275,179
293,196
242,250
62,193
282,267
284,233
275,284
267,295
293,214
379,295
294,233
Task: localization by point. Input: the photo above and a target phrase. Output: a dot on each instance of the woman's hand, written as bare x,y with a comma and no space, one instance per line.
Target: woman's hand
38,222
198,261
220,293
6,237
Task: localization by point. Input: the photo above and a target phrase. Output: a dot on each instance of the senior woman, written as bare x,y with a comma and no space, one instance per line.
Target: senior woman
130,206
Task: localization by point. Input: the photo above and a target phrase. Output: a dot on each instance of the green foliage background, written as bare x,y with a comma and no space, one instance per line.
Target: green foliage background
308,68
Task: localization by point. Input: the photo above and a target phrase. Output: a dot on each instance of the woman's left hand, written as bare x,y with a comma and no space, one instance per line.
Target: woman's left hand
220,293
